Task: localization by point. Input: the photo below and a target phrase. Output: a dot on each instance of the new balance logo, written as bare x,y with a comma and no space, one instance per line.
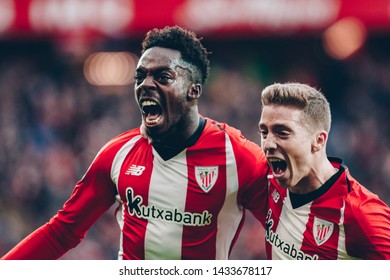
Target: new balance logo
135,170
275,196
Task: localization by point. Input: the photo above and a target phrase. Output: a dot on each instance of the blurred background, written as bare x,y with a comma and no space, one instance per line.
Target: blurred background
66,87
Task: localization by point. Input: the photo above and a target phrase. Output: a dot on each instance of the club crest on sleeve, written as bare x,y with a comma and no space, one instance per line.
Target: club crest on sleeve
206,176
322,230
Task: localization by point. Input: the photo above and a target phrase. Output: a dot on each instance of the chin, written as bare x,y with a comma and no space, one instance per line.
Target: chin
151,132
283,183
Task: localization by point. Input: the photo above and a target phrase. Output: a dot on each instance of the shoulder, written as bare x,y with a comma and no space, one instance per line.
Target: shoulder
366,209
118,141
239,142
346,187
220,127
108,152
358,203
367,223
102,163
360,199
243,148
235,136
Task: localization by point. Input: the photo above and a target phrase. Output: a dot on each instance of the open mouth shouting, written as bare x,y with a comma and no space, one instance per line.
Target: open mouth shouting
151,112
279,166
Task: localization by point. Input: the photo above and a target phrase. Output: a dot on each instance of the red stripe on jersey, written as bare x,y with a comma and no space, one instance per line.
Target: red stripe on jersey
323,233
326,211
199,200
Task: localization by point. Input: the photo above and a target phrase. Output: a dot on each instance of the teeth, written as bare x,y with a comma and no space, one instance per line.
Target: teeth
274,160
148,103
150,120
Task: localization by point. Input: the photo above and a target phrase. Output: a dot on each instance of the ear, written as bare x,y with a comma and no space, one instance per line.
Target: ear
320,141
194,92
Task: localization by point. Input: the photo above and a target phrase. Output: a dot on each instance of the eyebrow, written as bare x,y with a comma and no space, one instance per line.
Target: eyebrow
276,127
160,69
154,70
184,68
282,127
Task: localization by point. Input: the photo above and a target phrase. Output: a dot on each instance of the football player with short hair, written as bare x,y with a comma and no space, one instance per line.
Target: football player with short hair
316,209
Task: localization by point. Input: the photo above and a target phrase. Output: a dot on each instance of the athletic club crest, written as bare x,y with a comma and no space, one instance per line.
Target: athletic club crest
206,176
322,230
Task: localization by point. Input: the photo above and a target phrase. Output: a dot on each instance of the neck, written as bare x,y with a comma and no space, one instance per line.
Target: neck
168,150
181,132
318,175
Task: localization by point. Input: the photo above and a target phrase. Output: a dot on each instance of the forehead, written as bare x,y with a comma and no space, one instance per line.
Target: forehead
281,115
156,57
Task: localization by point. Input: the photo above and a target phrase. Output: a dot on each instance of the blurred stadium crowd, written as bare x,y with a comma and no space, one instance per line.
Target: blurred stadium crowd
52,123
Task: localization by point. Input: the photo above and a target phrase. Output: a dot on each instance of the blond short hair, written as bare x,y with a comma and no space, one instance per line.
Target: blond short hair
310,100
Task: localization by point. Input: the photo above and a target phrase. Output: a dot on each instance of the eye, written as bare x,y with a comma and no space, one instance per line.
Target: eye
283,134
139,77
163,78
263,133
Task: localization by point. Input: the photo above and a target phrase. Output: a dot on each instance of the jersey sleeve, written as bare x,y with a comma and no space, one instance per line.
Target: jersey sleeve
367,226
252,168
91,197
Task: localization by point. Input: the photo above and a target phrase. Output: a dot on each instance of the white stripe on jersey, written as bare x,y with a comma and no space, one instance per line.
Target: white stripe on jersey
230,215
115,170
292,225
167,190
121,222
119,158
341,241
342,251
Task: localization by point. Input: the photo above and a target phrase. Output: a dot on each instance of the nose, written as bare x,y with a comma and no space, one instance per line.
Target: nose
148,83
269,144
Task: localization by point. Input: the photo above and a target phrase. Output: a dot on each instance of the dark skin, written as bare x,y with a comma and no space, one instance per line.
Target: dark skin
167,96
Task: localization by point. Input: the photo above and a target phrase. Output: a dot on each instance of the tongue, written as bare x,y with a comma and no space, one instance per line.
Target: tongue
151,117
278,167
278,170
152,112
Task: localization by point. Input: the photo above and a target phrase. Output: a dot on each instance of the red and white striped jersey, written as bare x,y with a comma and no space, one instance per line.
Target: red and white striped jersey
190,206
340,220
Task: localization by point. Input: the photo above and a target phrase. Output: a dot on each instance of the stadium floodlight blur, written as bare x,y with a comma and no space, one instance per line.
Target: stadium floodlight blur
218,17
344,38
7,15
110,68
77,24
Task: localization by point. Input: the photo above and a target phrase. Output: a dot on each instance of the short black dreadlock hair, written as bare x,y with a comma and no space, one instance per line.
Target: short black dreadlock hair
184,41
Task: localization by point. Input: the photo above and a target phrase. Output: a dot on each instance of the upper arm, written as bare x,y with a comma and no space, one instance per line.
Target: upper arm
368,227
253,169
91,197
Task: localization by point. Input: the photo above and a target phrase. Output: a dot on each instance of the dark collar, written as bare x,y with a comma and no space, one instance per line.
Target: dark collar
297,200
167,152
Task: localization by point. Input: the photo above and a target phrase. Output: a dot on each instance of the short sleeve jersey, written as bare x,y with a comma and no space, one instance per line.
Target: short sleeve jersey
189,206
